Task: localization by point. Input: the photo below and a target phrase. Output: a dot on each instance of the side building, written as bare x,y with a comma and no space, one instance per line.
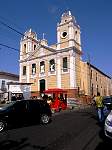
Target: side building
6,77
93,80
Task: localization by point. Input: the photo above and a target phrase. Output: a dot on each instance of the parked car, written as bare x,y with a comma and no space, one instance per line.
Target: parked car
108,126
107,100
24,112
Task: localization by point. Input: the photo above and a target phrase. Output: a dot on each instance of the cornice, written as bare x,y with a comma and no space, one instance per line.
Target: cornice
53,53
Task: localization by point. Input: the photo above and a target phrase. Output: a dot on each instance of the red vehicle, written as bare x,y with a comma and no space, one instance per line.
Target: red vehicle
59,99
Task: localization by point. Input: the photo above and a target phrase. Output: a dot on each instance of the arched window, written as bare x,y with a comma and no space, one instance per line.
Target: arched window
24,49
65,65
52,65
42,67
34,47
33,69
24,70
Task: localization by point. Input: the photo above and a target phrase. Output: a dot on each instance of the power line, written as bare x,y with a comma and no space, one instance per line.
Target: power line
15,30
9,47
38,42
18,32
10,21
6,25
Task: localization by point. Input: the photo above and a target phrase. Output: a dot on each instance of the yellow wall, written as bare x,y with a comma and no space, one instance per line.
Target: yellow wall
103,82
65,81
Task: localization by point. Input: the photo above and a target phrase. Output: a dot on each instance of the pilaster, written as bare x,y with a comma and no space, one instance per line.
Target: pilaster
28,72
58,38
58,73
72,71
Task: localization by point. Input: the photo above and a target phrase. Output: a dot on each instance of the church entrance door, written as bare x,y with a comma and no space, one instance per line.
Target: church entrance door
42,85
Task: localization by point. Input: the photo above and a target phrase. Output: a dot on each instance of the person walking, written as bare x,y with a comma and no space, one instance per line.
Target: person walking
100,107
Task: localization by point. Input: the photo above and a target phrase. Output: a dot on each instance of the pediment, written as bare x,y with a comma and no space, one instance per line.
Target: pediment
41,51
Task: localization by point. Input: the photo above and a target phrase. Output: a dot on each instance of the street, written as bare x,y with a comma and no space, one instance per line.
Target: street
69,130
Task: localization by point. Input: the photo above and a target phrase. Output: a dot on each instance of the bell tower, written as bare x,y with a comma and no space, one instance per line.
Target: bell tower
68,32
28,44
69,41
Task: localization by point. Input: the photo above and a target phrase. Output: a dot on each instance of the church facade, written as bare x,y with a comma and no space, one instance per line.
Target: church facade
59,65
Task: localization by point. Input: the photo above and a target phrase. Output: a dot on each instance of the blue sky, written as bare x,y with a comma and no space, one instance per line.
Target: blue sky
93,16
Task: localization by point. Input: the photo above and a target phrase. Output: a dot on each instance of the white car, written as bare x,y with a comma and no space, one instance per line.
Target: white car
108,126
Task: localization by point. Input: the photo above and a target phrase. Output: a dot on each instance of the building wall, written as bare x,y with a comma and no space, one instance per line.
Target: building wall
51,78
83,79
6,77
78,69
99,81
65,81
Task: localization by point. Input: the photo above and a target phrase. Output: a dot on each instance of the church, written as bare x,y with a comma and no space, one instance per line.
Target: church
60,65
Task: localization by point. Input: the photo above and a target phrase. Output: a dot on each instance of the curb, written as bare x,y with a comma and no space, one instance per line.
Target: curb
71,110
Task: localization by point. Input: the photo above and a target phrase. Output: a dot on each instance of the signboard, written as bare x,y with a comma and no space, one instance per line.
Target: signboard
15,89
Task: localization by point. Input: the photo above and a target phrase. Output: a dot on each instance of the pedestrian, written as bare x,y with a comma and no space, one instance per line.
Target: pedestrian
100,107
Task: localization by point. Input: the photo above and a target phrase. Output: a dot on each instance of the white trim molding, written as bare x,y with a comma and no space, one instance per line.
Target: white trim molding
58,72
72,72
28,72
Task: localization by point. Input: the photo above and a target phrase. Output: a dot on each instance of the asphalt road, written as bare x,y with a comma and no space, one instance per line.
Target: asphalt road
69,130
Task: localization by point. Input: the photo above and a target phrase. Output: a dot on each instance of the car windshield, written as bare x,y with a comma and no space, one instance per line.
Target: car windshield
107,99
5,106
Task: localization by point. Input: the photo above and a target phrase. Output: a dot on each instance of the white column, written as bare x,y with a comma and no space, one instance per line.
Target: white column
38,84
20,72
71,35
58,72
72,72
46,87
21,53
20,64
29,46
28,72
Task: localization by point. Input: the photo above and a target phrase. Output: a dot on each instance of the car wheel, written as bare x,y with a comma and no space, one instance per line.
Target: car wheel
2,125
45,119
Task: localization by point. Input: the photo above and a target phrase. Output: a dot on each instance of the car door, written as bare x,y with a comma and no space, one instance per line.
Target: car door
33,111
20,112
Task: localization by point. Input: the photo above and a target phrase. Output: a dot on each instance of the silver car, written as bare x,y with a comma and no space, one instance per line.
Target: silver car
108,126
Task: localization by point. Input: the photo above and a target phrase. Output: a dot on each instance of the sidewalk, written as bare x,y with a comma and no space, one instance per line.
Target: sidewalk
78,108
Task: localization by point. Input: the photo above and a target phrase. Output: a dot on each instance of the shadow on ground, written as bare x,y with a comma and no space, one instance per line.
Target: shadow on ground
106,143
11,144
20,144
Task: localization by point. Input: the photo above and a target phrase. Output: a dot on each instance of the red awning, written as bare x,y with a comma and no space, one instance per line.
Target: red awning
55,90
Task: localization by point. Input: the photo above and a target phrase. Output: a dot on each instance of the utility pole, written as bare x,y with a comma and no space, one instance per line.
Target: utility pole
89,63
